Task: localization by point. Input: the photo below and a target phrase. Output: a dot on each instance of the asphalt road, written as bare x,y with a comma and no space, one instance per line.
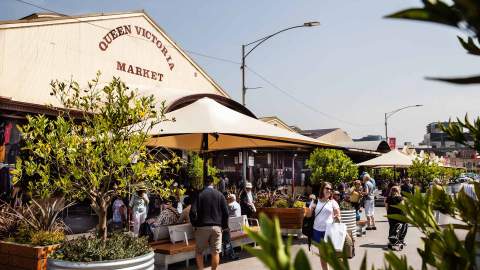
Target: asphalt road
374,244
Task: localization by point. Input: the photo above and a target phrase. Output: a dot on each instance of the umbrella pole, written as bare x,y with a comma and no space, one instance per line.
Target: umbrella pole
204,149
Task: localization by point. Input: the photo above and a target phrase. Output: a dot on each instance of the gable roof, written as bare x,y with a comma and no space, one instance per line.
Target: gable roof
95,19
316,133
274,120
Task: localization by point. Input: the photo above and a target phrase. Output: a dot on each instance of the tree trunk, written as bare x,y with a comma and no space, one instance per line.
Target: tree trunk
100,207
102,224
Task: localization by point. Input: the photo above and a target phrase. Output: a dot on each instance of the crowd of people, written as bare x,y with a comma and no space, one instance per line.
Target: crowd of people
143,213
208,211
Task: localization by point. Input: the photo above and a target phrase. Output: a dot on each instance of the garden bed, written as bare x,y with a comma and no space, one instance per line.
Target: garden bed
290,218
23,256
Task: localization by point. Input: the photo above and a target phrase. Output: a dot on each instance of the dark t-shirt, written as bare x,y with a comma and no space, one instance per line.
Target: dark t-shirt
394,201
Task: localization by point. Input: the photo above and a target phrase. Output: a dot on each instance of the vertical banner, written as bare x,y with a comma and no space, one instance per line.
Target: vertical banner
392,142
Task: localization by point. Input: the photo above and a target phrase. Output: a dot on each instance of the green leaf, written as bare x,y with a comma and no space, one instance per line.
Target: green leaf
422,14
460,80
469,45
301,261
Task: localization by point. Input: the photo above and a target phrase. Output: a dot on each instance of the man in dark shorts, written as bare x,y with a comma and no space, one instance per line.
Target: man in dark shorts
212,218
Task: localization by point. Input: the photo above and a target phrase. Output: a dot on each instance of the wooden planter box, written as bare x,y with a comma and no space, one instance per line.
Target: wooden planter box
290,218
24,257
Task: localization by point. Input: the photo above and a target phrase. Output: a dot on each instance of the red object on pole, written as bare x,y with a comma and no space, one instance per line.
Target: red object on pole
392,142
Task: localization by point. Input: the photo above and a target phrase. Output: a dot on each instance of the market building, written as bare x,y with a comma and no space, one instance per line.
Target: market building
42,47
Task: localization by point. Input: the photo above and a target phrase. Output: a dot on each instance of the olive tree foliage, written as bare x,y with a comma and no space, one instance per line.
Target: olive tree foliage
424,171
195,171
91,150
331,165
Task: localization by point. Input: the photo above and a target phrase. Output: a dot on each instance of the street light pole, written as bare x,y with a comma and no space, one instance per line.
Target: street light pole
243,75
389,114
257,43
244,88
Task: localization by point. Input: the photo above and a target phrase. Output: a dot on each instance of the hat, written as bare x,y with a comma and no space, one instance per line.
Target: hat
248,185
141,187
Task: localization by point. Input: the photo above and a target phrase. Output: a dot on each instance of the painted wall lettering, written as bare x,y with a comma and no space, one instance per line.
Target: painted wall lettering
139,31
139,71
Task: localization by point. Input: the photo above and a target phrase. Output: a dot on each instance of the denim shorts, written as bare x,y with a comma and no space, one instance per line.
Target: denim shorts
318,236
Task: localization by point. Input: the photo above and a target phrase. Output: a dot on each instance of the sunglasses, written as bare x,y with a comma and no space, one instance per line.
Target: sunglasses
329,189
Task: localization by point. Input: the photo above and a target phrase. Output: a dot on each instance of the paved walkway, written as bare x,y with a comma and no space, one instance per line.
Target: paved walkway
374,243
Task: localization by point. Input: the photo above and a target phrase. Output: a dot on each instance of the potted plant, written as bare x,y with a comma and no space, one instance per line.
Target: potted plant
29,233
95,149
289,210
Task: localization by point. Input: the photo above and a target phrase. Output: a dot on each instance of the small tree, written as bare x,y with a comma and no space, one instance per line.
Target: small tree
195,171
385,174
91,150
331,165
424,171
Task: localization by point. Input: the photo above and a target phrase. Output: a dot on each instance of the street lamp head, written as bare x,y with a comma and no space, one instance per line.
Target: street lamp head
418,105
311,24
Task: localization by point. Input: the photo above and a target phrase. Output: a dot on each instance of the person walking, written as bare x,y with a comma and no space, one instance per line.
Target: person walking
325,211
209,216
138,204
397,230
356,197
369,195
222,184
407,186
119,216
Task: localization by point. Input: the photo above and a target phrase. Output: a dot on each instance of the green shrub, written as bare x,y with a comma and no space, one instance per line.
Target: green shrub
89,249
45,238
281,203
298,204
331,165
25,235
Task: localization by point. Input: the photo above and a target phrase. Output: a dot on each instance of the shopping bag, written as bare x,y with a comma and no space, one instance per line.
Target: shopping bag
336,232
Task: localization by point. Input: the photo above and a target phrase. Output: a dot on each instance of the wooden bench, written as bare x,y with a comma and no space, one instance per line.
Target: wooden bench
181,246
361,228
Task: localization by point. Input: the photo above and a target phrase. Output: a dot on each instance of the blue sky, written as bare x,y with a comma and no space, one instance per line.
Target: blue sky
349,71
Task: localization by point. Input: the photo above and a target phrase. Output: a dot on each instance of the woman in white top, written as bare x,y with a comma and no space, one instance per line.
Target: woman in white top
139,205
325,210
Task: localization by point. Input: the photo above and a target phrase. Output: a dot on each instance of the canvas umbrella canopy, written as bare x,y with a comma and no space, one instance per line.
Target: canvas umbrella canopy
206,125
394,158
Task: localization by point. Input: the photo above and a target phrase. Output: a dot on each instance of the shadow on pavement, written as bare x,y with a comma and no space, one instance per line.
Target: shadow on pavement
374,246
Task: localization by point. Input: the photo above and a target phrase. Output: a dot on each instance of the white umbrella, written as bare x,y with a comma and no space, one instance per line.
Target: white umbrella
206,125
394,158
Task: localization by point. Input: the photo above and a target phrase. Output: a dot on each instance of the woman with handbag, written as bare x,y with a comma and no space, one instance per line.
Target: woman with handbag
325,211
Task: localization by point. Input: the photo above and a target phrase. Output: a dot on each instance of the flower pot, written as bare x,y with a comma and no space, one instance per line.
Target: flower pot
143,262
290,218
24,257
348,217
